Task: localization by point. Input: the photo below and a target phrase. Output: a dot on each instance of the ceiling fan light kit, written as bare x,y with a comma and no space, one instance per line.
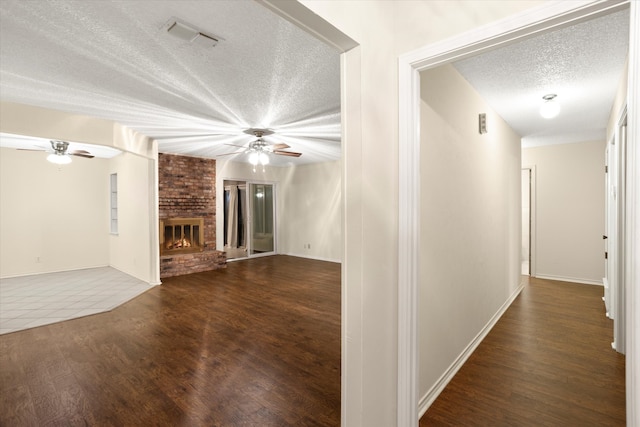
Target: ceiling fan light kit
259,150
60,156
59,159
550,107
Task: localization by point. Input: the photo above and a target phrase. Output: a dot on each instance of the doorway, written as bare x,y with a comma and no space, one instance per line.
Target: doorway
615,232
249,219
409,154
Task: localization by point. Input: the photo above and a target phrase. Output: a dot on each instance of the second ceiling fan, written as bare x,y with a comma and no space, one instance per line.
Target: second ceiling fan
260,149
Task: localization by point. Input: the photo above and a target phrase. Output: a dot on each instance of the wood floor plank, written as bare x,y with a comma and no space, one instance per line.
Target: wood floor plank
257,343
547,362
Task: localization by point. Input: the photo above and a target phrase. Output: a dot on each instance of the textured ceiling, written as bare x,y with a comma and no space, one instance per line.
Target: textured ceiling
582,64
115,60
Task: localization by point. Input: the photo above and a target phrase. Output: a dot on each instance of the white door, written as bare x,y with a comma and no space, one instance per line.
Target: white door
614,236
610,234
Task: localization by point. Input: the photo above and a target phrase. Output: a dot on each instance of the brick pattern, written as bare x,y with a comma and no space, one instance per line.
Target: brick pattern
187,189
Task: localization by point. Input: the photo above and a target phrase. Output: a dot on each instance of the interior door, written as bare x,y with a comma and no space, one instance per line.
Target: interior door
262,223
610,233
615,240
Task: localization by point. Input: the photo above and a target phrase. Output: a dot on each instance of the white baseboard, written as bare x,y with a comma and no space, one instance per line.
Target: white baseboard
569,279
38,273
448,375
314,257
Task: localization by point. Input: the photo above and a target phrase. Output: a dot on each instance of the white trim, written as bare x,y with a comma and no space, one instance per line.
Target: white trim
632,276
550,15
570,279
620,236
533,232
316,258
409,242
442,382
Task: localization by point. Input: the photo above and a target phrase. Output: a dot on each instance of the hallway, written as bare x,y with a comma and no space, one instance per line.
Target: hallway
548,361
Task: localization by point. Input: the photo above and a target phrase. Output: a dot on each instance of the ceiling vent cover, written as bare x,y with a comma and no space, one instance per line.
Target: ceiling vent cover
189,33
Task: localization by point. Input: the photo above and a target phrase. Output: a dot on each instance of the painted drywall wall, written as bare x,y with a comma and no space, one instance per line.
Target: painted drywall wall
619,103
470,220
52,218
307,206
130,250
569,210
384,30
135,250
312,207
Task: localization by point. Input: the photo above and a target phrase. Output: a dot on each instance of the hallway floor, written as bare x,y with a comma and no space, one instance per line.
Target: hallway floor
547,362
42,299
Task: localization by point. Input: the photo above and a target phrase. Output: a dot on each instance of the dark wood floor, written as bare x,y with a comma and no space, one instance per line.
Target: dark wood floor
255,344
547,362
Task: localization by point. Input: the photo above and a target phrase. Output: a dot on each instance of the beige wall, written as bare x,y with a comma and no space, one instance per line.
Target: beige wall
569,212
312,208
52,218
308,206
131,250
384,30
619,103
71,203
470,223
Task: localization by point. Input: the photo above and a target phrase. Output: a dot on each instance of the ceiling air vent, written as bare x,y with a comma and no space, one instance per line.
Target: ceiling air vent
186,32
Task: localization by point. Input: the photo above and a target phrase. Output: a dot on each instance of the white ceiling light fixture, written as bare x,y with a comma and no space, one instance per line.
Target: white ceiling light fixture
550,107
260,150
59,155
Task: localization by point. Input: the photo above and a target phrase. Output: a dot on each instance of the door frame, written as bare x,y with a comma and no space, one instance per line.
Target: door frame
620,242
549,16
532,219
249,224
274,187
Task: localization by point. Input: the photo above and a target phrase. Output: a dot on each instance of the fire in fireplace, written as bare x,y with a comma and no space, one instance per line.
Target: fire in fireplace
181,235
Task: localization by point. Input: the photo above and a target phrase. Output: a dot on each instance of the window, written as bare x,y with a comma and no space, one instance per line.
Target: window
113,213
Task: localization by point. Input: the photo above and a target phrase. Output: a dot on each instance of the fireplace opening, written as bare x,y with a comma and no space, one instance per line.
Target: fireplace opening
181,235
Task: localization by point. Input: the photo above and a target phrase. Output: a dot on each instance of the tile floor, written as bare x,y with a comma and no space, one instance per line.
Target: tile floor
30,301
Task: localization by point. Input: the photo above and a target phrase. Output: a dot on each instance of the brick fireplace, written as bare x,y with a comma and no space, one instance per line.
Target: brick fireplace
187,198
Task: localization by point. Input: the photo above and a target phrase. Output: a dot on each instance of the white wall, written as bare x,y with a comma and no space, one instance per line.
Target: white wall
619,103
130,250
470,220
384,30
570,208
308,206
312,211
32,190
52,218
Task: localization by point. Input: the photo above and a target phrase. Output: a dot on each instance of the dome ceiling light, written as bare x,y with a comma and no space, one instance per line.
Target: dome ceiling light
550,107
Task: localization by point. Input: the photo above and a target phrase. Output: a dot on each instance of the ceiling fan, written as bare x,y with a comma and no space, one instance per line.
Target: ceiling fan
60,154
259,150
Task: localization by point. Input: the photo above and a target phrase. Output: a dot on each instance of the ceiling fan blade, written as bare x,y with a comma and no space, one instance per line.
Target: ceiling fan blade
235,145
287,153
82,153
31,149
280,146
229,154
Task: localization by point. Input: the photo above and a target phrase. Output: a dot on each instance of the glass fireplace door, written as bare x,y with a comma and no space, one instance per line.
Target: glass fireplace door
262,208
